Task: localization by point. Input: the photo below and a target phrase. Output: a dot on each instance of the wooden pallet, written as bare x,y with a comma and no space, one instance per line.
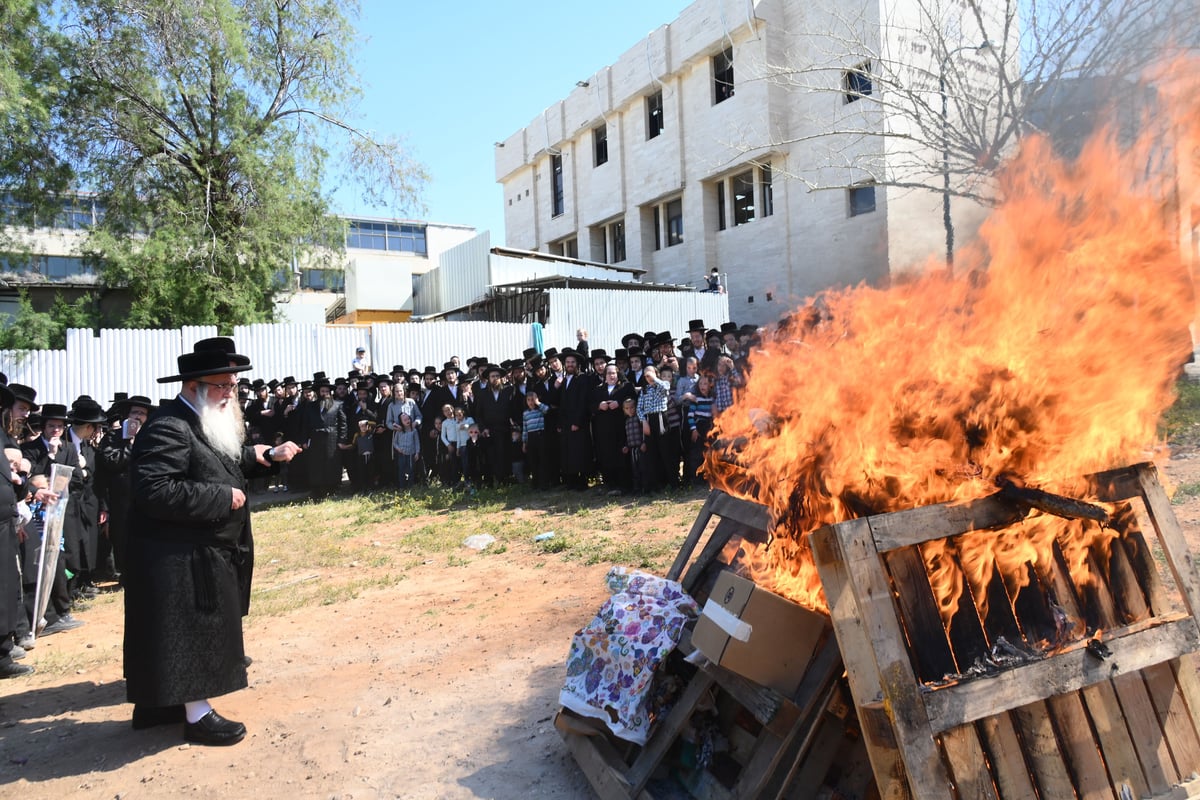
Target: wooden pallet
1071,724
784,748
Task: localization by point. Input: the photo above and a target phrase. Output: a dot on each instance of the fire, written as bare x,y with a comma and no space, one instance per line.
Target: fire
1049,354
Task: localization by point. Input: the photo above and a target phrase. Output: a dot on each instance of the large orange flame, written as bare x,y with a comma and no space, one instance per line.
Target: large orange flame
1049,354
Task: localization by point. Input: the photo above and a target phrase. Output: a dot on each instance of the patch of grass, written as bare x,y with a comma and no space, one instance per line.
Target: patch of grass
321,552
1186,491
1180,425
648,555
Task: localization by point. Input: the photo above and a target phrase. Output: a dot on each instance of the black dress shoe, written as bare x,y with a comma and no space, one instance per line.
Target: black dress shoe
151,716
214,729
11,669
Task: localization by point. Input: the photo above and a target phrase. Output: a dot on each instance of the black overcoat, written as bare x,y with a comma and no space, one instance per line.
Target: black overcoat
189,565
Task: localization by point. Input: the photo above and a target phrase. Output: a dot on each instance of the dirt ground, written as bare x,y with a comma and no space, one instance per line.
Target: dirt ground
442,686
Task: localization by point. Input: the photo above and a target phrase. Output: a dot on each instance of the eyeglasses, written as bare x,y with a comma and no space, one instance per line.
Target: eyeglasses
224,387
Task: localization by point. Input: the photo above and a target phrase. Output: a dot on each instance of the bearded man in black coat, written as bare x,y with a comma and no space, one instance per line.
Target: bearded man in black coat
190,551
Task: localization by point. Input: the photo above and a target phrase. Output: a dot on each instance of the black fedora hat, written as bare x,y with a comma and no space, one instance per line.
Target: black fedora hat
550,354
598,353
631,337
26,394
492,368
206,362
54,411
430,370
225,345
729,327
696,325
289,381
530,353
86,411
122,406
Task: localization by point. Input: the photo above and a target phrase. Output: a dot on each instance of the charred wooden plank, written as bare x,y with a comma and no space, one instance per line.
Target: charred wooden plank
1007,756
1100,699
918,608
1050,503
1134,648
873,650
862,670
1082,755
1115,485
1179,558
1041,748
917,525
972,780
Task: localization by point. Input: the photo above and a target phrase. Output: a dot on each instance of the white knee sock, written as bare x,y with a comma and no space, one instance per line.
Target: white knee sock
197,709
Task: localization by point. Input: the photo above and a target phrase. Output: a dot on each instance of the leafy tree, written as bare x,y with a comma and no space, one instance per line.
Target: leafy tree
207,126
46,330
35,149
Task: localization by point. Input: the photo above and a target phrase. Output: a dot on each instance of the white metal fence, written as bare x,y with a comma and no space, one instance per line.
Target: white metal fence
132,360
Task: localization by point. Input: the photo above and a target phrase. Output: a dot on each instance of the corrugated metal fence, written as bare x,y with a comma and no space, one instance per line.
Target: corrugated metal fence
132,360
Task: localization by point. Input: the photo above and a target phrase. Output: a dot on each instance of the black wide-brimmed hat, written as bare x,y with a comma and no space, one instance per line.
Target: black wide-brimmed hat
631,337
289,381
598,353
696,325
207,362
54,411
729,327
26,394
530,353
225,345
121,407
551,354
86,411
490,368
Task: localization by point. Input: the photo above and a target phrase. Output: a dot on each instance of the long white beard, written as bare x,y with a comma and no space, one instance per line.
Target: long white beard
222,425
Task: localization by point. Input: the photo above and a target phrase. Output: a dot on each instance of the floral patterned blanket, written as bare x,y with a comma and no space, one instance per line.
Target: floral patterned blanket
613,660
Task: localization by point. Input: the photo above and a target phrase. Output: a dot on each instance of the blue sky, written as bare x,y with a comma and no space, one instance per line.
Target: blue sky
453,78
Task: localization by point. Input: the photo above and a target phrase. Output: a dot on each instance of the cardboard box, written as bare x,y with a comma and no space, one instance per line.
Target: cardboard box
757,634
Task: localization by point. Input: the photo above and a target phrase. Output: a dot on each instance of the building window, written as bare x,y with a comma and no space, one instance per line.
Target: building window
556,172
323,280
600,144
654,115
856,82
742,191
667,222
50,267
723,76
568,248
721,222
862,199
75,215
768,192
615,239
392,237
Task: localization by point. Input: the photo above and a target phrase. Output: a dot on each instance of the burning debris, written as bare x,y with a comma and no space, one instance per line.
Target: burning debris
946,479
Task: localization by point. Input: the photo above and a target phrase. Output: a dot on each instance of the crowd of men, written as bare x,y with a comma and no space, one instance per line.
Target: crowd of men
634,421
